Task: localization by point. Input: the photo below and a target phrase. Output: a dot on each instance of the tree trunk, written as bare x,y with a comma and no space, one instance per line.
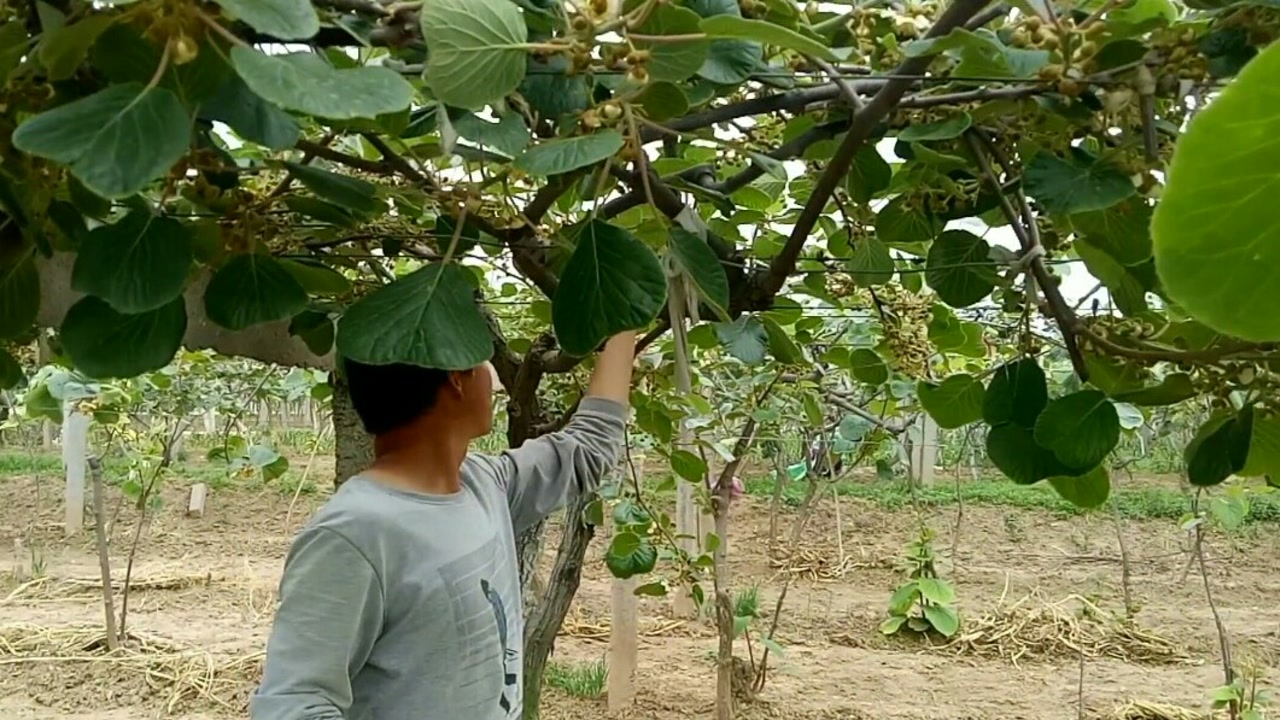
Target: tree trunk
544,622
528,552
352,446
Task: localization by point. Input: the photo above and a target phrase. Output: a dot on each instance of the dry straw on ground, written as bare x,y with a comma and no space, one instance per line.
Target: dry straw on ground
577,626
1035,628
819,565
45,587
180,675
1139,710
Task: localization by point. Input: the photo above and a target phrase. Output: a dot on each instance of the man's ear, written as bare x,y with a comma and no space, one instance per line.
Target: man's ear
457,378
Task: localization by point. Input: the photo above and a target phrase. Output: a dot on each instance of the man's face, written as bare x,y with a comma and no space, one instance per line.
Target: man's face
481,383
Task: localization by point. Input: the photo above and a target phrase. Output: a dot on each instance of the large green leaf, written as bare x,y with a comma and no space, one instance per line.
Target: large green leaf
1089,490
1081,428
731,62
1264,448
1014,451
321,210
630,554
868,367
19,295
317,278
250,289
1122,231
868,175
551,91
1216,242
62,49
953,403
476,50
13,46
345,191
745,338
959,268
555,157
428,318
612,282
40,403
698,260
1080,183
689,466
943,619
949,129
980,54
898,223
1124,286
870,263
315,329
762,31
1016,394
662,101
281,19
509,135
99,137
250,116
137,264
673,61
123,55
853,428
104,343
784,349
1220,448
304,82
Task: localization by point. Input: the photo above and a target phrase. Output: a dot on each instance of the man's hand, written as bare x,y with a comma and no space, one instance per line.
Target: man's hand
611,379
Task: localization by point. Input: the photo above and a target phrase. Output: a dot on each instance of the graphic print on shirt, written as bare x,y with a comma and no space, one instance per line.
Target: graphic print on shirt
500,617
483,633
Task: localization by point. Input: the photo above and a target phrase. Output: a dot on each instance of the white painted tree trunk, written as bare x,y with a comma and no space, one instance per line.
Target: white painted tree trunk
924,450
75,448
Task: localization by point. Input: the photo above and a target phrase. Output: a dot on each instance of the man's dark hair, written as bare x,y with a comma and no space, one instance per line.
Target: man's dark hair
387,397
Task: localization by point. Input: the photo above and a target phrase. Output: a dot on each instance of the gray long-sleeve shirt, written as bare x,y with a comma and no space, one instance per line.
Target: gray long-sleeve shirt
397,605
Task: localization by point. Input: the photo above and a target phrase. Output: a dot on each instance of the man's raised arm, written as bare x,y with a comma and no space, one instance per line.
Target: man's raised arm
542,474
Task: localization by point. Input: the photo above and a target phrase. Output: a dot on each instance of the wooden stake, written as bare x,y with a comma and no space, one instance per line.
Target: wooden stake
624,633
195,506
623,645
75,445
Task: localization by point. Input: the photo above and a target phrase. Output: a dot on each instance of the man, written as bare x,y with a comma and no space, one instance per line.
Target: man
401,598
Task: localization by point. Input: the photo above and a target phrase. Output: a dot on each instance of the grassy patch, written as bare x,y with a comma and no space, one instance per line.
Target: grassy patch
1146,503
18,463
585,680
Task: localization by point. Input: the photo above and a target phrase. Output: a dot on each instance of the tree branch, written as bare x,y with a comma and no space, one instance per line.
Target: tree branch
267,342
864,121
1024,226
324,152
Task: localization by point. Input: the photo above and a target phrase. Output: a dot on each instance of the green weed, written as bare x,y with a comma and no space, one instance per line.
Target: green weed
584,680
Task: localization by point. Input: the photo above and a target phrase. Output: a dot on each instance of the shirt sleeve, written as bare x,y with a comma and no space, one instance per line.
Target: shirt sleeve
541,475
329,616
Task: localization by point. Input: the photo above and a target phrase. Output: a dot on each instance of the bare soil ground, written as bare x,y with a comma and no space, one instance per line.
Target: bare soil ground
1035,590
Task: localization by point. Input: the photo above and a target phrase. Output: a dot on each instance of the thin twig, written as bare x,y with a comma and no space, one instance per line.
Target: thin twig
1024,226
845,88
104,557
